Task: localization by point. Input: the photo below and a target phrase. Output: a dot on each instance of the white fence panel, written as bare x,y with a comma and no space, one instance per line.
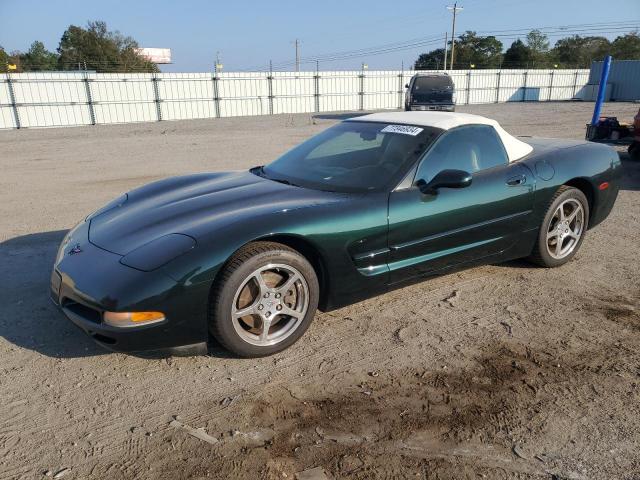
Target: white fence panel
186,95
48,99
123,97
339,91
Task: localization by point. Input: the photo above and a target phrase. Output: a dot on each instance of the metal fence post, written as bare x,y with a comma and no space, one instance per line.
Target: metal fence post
270,88
400,89
92,113
216,94
156,92
551,86
575,84
361,92
524,88
469,87
316,91
498,87
12,97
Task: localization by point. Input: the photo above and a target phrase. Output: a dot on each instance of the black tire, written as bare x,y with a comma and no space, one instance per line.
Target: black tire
234,274
634,151
540,254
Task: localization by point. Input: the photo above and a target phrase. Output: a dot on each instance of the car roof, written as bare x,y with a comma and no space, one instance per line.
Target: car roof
515,148
432,74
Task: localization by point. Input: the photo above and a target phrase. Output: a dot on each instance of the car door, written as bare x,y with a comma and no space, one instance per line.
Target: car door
429,232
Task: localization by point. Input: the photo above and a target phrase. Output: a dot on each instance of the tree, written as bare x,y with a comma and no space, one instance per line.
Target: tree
471,49
626,47
578,52
430,61
100,50
518,55
4,59
38,58
538,44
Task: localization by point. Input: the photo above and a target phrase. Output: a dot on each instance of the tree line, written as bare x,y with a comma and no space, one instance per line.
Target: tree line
91,48
474,51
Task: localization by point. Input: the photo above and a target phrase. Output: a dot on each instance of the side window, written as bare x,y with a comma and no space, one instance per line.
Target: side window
471,149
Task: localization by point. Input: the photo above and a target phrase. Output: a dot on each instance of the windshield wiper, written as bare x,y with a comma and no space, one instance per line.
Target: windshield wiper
261,173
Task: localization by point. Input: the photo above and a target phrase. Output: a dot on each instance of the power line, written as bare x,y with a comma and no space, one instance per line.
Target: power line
563,30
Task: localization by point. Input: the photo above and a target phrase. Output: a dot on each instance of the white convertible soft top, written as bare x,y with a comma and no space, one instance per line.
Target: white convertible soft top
515,148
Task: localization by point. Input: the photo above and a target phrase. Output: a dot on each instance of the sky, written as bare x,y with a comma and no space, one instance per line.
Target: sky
250,33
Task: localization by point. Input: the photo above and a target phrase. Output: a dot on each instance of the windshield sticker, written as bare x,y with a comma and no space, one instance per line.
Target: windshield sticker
404,129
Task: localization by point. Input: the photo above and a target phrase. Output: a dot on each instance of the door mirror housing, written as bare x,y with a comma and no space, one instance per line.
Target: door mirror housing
445,179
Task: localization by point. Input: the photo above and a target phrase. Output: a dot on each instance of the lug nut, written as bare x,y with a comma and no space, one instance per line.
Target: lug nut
266,295
260,307
278,295
268,314
279,307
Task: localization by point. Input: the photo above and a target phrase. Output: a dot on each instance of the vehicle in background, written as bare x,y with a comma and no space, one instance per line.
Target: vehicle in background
430,91
634,148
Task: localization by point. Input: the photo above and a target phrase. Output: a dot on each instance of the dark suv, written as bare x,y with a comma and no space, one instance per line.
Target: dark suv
430,91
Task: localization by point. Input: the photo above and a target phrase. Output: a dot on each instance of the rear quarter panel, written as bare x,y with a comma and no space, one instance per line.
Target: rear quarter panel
581,164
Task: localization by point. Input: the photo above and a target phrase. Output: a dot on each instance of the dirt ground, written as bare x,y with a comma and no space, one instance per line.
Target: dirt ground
502,371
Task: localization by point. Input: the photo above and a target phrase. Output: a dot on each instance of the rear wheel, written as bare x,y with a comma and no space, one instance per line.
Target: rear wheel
634,150
264,301
563,228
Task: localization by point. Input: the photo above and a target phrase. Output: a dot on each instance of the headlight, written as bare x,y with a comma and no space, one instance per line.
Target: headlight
131,319
118,202
158,252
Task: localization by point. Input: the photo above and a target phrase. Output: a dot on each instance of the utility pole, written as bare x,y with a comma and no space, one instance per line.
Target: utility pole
454,9
446,46
297,43
218,66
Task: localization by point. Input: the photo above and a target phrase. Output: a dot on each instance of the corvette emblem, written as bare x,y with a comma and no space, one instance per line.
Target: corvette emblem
75,249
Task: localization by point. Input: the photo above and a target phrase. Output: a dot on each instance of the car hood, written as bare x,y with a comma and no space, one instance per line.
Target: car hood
193,205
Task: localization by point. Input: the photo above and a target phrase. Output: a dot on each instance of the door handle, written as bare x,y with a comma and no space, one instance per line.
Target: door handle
517,180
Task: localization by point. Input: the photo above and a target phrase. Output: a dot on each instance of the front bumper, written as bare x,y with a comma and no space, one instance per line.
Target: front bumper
91,280
435,107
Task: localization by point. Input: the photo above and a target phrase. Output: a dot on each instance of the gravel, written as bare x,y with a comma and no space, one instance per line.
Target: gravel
520,372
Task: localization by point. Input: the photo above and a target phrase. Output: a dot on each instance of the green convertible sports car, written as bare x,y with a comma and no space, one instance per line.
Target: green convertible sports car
247,257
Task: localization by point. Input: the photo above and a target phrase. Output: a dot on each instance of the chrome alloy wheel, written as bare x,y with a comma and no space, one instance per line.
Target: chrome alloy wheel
270,304
565,228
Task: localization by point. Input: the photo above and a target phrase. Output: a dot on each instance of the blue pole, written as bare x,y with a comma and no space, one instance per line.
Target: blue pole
606,66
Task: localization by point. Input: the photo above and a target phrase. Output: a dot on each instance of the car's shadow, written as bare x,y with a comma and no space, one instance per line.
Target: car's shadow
28,317
630,178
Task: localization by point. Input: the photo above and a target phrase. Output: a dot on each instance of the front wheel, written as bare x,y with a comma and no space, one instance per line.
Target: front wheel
563,228
264,300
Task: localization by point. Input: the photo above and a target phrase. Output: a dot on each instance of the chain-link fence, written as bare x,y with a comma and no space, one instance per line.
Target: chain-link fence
30,100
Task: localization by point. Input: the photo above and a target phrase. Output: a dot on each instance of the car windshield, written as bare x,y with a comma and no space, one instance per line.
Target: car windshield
352,157
432,83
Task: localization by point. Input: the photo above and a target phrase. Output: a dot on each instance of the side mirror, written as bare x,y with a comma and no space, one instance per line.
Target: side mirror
445,179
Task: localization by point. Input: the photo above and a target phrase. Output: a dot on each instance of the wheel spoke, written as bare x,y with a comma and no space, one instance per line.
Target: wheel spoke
261,283
290,311
573,214
266,325
243,312
552,234
560,212
293,278
558,247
